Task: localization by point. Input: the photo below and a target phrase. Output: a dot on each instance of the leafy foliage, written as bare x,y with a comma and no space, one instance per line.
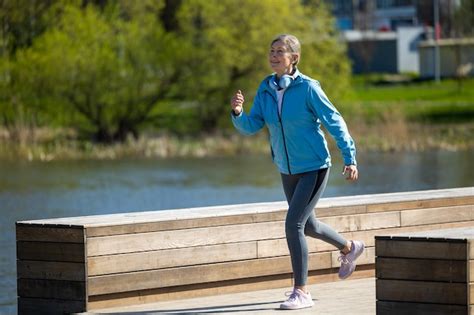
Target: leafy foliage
229,41
109,73
109,68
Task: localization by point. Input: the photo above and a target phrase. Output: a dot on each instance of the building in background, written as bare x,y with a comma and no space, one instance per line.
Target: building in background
384,52
385,35
391,14
456,57
388,15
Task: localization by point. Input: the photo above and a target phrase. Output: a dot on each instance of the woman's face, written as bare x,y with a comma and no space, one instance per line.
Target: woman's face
281,60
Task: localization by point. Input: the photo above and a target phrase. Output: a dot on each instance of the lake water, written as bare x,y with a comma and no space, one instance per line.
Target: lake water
34,190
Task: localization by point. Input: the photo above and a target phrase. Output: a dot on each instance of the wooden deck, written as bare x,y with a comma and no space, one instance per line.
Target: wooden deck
354,297
96,262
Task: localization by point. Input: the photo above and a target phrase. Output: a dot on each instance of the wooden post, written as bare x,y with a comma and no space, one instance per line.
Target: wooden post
51,269
425,272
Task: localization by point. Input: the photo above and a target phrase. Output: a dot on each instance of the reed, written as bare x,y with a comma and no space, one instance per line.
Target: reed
392,133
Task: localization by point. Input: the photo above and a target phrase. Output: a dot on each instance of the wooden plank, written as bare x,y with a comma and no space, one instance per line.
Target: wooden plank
36,306
470,283
124,223
99,302
214,288
47,251
470,254
198,274
400,197
52,289
95,231
471,293
225,234
39,233
362,222
122,244
362,271
420,249
53,270
471,249
369,236
470,274
437,215
207,216
452,235
279,247
397,308
121,263
339,211
421,291
228,210
145,227
421,269
420,204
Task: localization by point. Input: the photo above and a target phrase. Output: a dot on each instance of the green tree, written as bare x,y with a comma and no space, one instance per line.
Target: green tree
227,42
21,21
110,67
107,70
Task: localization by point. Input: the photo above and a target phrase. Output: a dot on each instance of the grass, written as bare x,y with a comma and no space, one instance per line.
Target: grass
366,90
415,101
393,135
50,148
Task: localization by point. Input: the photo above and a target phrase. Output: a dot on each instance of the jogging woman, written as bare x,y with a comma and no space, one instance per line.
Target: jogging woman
292,106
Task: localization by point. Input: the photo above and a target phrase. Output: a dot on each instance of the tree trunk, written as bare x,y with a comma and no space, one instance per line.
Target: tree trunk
103,135
125,129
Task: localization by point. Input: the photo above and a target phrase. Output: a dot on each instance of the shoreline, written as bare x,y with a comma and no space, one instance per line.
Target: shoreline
397,136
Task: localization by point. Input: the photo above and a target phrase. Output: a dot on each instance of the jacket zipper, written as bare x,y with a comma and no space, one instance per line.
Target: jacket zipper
283,131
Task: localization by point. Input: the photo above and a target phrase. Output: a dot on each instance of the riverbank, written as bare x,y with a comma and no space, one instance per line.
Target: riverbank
393,135
384,113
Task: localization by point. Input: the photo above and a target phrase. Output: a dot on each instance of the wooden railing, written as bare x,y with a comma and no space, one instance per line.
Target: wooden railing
86,263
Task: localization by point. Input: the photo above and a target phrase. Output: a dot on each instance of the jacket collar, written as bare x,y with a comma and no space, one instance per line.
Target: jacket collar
297,78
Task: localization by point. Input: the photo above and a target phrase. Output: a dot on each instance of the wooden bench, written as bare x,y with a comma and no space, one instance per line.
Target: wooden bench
93,262
429,272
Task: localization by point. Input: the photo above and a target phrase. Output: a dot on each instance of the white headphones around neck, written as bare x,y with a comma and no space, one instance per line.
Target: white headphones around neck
282,83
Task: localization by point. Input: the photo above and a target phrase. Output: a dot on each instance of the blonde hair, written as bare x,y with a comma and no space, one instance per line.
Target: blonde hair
291,43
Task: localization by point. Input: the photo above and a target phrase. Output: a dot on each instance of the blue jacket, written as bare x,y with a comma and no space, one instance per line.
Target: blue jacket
296,139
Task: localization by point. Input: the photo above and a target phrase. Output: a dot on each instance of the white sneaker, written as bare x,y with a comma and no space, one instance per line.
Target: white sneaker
348,264
297,299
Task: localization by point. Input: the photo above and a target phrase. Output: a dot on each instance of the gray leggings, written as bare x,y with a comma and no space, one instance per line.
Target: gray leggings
302,192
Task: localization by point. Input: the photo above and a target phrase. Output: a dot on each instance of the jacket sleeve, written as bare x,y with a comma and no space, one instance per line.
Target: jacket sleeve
251,123
333,122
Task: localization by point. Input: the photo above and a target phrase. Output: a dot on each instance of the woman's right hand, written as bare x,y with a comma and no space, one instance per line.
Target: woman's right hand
237,102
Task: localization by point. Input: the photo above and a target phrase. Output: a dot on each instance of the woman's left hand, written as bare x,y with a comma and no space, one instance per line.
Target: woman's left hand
351,171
